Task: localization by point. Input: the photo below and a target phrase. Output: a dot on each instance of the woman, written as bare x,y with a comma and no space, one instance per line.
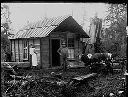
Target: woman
33,54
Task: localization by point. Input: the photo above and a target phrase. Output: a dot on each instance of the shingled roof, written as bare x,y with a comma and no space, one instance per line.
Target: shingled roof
41,28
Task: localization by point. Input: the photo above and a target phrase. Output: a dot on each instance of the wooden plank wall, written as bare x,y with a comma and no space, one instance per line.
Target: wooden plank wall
78,44
21,50
16,51
45,52
78,47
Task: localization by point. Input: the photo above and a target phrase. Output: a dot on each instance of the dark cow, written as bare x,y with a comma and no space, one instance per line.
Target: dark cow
98,58
85,59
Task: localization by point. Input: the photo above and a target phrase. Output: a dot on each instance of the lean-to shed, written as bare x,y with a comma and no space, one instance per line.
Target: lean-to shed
47,36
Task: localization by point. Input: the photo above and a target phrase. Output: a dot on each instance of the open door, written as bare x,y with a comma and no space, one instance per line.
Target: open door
55,54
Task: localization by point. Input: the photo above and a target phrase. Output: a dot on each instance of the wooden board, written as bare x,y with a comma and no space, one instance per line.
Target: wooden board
85,76
45,51
21,50
16,51
19,64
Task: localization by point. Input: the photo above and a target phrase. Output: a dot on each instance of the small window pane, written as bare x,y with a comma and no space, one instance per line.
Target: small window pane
70,42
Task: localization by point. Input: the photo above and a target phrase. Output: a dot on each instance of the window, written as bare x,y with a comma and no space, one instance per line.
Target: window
25,53
71,48
71,42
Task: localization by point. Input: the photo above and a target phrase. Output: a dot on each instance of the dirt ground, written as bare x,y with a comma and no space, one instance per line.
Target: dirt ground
102,84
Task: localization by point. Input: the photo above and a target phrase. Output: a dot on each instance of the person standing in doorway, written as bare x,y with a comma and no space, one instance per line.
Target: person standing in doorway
63,51
33,55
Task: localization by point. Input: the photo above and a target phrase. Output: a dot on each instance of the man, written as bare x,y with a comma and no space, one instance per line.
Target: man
63,51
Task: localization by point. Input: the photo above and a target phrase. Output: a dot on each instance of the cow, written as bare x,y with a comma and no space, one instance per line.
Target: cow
98,58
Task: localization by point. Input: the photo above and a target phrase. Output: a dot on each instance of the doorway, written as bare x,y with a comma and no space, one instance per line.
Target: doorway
55,54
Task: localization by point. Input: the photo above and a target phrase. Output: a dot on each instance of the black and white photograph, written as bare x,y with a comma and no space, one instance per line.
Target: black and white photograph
64,49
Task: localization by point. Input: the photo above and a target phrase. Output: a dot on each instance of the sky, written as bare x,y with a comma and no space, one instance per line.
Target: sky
22,13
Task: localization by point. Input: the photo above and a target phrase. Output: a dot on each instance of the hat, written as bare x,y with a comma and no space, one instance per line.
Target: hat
32,45
63,43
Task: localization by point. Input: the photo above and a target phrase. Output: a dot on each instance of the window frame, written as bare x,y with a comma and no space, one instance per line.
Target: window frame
25,49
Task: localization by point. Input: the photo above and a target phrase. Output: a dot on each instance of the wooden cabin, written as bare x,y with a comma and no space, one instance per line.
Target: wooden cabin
47,36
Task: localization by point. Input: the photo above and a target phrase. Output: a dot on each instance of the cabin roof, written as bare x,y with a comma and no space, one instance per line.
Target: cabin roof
43,27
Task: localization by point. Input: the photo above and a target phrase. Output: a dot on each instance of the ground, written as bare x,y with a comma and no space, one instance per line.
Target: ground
103,84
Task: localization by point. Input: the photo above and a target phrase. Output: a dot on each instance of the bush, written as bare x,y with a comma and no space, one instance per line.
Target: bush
2,55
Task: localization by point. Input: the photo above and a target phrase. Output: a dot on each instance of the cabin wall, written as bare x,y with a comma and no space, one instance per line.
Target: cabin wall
78,45
45,52
43,49
21,50
78,49
18,49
